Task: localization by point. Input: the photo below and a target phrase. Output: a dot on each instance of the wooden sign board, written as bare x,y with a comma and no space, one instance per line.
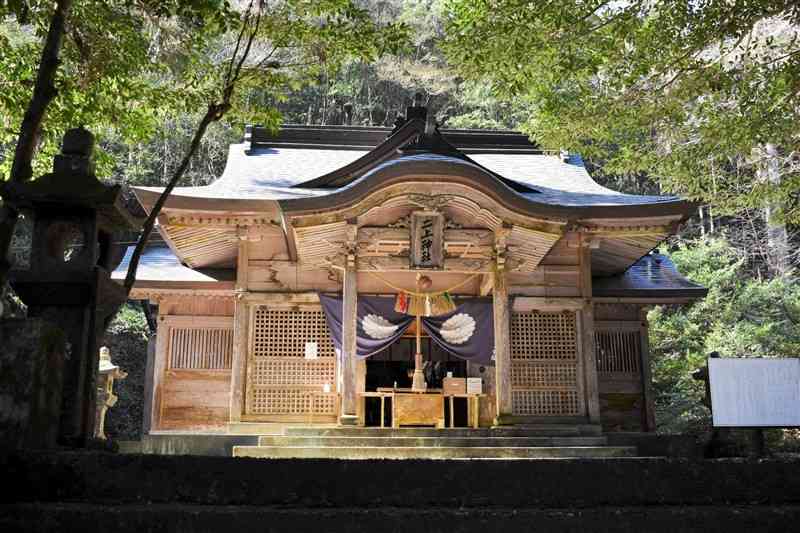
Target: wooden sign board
755,392
427,240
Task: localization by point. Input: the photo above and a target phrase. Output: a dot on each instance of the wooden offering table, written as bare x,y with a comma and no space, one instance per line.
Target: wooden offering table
473,408
419,408
416,407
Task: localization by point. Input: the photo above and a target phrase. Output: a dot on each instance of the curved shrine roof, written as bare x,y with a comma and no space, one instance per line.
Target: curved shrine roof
265,173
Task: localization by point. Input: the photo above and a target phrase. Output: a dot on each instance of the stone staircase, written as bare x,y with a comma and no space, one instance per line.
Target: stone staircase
513,443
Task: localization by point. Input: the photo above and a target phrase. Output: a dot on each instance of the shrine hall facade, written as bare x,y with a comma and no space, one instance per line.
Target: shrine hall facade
309,276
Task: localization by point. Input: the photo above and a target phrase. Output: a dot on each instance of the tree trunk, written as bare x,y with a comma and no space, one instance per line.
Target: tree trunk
43,94
777,239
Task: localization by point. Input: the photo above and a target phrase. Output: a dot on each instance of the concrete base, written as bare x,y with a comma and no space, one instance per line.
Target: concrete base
431,452
181,444
503,420
348,420
655,445
424,443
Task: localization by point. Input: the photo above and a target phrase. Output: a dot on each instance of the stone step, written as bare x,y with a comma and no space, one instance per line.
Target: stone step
436,442
427,452
510,431
263,428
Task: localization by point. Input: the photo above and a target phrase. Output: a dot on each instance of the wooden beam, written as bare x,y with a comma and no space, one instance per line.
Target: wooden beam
282,298
524,304
402,264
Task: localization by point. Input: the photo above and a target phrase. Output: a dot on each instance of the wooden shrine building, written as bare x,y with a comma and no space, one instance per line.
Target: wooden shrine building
566,267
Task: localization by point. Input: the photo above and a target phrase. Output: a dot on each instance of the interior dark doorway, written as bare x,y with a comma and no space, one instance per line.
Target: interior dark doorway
394,367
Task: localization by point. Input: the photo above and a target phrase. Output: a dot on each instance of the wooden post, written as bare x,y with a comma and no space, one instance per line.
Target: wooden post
502,333
159,368
589,359
649,404
348,415
241,333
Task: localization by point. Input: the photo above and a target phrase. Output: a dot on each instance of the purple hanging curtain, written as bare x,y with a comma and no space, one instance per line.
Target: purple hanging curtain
378,324
467,332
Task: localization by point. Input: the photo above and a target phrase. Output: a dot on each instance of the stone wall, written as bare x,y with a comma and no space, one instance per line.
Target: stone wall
32,357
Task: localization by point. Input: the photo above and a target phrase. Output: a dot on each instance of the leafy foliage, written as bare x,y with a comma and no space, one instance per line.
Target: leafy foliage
741,317
687,92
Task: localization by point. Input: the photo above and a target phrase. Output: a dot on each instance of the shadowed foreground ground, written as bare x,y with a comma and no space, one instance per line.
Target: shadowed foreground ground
72,491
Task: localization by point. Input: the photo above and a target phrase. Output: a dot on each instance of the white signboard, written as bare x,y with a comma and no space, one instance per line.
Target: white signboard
311,350
755,392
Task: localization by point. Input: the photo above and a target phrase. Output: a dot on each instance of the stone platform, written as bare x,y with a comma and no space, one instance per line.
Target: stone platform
422,443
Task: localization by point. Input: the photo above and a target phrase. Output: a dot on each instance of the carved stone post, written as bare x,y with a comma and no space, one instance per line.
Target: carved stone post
502,332
68,279
348,414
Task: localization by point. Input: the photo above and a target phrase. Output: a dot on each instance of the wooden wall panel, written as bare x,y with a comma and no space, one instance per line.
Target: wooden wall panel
195,399
628,312
557,276
193,372
620,378
196,305
564,252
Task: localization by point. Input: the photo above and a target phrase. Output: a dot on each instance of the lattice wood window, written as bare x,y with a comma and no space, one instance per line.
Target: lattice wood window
196,348
619,351
544,364
280,380
543,336
284,332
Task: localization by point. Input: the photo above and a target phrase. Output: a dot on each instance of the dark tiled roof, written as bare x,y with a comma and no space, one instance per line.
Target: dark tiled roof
654,275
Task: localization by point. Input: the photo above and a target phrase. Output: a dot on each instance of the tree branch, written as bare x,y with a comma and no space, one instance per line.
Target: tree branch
214,112
44,92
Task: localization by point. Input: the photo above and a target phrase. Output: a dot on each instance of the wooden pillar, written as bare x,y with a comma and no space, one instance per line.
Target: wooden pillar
159,367
241,332
348,415
502,334
647,393
589,359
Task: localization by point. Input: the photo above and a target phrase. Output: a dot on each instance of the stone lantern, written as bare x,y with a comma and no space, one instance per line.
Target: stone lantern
107,373
67,280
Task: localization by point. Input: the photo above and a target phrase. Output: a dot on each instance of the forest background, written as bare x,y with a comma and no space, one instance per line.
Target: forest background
692,98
